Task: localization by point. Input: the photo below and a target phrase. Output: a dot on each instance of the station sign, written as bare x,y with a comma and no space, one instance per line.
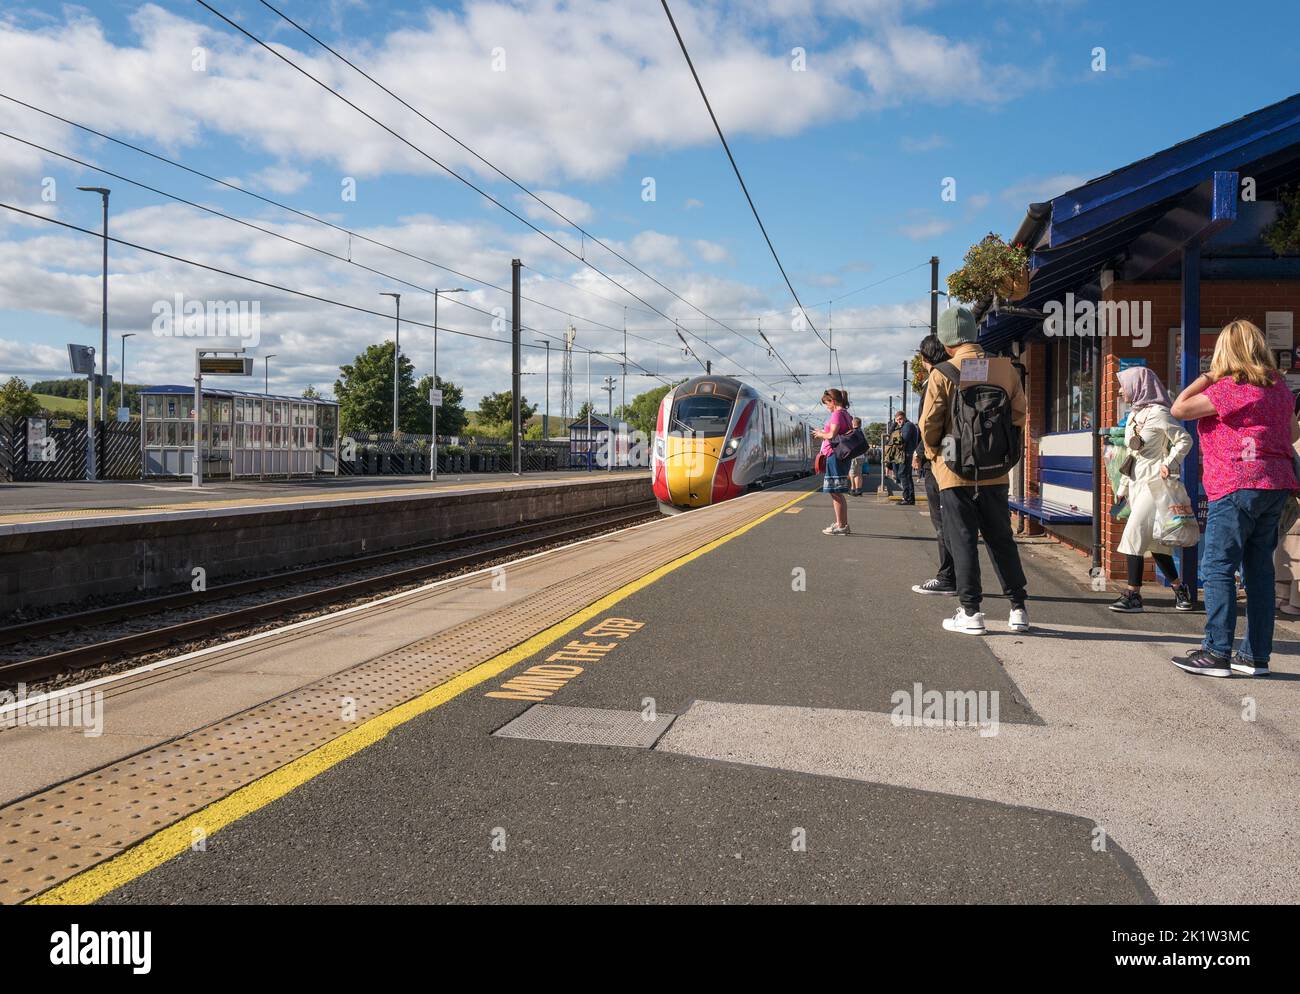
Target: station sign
81,359
225,365
435,397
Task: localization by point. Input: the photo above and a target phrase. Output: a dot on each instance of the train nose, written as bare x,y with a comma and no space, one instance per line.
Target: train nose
689,467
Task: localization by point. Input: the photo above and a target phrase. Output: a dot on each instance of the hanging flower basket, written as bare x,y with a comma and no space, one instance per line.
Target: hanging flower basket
991,266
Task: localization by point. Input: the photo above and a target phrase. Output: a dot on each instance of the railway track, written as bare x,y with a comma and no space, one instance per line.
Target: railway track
165,636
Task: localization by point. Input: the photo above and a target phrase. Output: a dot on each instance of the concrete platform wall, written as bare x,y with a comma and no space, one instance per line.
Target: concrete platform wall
70,566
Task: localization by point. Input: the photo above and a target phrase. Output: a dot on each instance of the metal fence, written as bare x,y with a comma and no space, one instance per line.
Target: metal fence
385,453
55,449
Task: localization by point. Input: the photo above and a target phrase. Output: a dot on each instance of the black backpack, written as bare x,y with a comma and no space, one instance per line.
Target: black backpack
850,445
985,441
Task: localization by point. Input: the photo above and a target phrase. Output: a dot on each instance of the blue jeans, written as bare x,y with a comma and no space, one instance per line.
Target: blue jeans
1241,533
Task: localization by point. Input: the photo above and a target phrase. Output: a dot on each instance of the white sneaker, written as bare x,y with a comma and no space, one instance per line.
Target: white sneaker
967,624
1019,620
836,530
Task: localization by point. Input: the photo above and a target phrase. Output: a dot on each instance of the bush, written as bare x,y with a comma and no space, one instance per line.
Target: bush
1283,235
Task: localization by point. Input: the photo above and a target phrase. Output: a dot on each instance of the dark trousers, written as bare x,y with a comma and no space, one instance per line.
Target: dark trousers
968,514
946,575
1137,564
903,471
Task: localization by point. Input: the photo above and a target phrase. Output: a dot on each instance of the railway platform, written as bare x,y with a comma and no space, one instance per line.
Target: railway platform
65,544
720,706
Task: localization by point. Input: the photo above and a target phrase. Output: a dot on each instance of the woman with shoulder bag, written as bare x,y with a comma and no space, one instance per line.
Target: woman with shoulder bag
1157,446
836,480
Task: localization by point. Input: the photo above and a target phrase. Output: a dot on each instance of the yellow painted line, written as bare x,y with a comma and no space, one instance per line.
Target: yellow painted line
92,884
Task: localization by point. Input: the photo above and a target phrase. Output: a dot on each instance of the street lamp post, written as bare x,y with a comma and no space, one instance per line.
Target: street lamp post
125,336
433,418
397,350
103,331
266,375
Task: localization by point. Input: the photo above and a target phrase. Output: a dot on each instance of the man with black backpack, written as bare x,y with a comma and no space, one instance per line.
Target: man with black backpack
973,433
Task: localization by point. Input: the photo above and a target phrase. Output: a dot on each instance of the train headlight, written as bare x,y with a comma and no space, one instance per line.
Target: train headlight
732,446
659,449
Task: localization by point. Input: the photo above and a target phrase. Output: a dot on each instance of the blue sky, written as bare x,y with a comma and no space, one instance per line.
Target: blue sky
844,159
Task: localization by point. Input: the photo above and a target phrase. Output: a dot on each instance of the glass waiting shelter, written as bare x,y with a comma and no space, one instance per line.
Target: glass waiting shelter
243,434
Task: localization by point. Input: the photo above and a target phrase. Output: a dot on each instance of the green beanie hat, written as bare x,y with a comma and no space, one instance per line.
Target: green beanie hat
957,325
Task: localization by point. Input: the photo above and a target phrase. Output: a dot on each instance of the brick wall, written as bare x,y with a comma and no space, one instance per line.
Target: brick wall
1221,302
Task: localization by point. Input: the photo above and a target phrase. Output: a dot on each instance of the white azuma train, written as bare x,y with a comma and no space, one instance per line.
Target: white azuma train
717,437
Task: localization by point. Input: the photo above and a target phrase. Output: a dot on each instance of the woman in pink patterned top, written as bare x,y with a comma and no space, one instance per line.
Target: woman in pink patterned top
1243,411
836,481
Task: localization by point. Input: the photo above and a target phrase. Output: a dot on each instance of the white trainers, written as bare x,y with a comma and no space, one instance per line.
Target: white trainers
836,530
1019,620
967,624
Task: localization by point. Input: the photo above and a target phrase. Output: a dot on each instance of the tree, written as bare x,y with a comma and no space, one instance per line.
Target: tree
584,410
17,400
451,415
311,393
498,409
365,394
874,431
643,412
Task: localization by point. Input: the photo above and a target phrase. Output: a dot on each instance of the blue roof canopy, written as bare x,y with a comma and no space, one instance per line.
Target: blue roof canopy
1137,219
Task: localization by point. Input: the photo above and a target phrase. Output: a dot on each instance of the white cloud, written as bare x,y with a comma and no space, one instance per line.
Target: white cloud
282,179
577,211
927,144
711,252
919,231
1034,191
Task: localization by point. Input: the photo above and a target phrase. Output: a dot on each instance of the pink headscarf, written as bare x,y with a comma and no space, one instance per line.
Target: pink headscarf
1142,388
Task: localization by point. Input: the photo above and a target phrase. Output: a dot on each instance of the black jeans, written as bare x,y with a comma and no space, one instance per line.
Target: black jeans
968,514
904,474
946,575
1165,562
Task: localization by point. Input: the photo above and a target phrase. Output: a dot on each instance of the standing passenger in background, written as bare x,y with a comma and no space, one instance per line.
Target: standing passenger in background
1287,561
904,438
1245,419
855,467
836,479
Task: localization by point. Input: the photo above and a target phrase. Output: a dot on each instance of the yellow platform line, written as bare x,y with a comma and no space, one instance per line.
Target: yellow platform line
92,884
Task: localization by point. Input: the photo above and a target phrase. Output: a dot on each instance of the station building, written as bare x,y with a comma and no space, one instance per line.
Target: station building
243,434
1118,268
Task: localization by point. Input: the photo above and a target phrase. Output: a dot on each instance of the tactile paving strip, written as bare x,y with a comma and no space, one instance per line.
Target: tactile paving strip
53,835
586,726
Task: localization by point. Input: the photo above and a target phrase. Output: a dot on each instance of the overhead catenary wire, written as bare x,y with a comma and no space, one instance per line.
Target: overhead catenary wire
443,166
736,169
499,171
614,357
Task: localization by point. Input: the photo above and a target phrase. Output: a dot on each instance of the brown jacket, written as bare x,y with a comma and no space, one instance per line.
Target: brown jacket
938,402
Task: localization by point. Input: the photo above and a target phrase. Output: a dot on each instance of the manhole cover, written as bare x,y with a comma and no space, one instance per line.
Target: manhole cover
587,726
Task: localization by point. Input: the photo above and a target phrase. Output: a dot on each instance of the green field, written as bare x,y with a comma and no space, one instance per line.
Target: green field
62,405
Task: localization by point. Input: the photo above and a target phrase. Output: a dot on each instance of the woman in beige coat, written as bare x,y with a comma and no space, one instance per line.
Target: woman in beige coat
1159,444
1287,560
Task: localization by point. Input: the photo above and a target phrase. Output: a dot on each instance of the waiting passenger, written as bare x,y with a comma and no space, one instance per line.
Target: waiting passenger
1158,444
836,480
1287,560
944,581
855,467
974,507
1246,421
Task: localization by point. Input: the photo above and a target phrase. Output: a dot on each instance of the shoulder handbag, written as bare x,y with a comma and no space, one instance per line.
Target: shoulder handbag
850,445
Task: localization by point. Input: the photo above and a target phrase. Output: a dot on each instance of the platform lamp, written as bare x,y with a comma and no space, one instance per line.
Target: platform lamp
103,335
266,373
433,417
124,336
397,349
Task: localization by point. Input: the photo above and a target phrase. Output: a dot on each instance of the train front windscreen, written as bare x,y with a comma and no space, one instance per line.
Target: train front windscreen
702,415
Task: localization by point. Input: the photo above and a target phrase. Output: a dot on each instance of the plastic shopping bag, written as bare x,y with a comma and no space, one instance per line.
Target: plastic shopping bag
1175,523
1113,456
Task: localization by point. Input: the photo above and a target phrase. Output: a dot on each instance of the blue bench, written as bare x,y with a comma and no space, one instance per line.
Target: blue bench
1050,513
